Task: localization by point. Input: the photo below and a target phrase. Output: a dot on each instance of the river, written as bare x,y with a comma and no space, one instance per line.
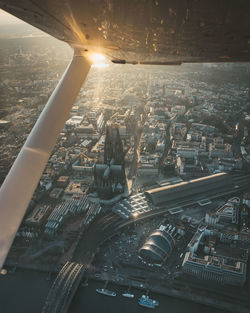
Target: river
25,292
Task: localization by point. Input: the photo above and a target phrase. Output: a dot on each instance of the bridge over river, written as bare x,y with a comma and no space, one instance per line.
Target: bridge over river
64,288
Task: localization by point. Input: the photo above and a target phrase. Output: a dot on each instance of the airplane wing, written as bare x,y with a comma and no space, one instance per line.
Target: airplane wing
145,31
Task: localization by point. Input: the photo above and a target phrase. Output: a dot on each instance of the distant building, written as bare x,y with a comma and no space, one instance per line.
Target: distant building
218,150
242,237
96,118
85,130
56,193
47,178
74,189
178,131
211,257
168,166
62,181
190,167
228,213
179,109
74,121
215,268
38,217
205,129
148,165
84,165
62,211
98,149
188,148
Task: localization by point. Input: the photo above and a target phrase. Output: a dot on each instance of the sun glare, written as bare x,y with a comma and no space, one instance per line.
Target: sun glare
99,60
97,57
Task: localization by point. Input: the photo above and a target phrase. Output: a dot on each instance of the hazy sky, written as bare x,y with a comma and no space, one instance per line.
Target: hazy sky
6,18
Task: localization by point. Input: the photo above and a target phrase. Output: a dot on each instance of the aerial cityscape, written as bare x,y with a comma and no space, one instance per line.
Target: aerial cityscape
147,191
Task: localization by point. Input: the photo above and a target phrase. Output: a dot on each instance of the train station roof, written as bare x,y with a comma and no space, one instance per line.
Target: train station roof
163,195
158,245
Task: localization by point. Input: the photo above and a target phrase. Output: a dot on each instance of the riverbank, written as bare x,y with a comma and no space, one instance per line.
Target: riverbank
186,294
182,292
26,291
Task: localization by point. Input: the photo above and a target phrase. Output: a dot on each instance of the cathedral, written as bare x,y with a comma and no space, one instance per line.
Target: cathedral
109,178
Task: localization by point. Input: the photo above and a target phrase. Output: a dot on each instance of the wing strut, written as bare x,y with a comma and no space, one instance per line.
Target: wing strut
23,177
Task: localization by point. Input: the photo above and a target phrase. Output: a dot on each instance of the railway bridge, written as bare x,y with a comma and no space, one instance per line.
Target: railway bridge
64,288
